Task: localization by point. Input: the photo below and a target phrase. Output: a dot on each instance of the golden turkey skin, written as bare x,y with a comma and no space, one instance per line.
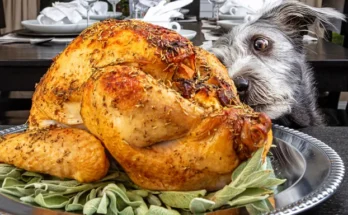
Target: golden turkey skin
140,120
57,97
167,111
62,152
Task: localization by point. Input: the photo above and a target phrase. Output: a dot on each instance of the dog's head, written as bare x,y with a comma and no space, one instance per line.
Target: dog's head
265,56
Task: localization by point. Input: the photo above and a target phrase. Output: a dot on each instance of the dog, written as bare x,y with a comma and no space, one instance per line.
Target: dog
266,60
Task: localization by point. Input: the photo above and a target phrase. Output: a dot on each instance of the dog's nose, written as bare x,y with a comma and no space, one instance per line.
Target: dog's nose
242,84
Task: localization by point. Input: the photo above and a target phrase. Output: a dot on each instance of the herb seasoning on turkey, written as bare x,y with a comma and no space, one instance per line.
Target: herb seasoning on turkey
167,112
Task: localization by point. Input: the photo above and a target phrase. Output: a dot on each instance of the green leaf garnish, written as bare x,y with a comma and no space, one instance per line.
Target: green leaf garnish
200,205
177,199
252,184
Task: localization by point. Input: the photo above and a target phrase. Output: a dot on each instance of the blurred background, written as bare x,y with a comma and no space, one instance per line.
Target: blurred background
12,12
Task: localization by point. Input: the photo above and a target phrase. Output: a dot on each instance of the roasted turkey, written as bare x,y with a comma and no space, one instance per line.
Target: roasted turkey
166,110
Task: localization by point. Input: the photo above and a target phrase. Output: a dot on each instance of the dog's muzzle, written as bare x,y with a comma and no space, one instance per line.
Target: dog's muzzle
242,84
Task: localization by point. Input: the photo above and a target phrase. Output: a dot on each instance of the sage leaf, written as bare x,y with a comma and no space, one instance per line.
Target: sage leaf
255,178
73,207
5,169
114,188
39,186
261,206
81,197
252,211
111,177
127,211
268,183
92,195
122,187
200,205
54,201
153,200
28,199
77,202
84,187
243,200
6,165
112,210
103,205
11,191
255,192
34,180
142,193
224,195
68,183
14,173
31,177
38,191
238,170
47,187
252,165
156,210
178,199
91,206
9,182
142,209
23,191
56,188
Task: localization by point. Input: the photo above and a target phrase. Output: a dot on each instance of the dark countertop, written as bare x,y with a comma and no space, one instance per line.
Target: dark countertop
336,138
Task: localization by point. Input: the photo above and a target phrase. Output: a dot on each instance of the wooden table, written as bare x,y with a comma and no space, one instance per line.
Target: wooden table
22,65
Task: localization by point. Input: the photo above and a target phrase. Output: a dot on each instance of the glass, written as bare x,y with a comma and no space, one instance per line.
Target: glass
216,6
89,6
114,3
135,10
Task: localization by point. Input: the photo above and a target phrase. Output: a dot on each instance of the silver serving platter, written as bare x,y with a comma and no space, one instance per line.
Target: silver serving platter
313,171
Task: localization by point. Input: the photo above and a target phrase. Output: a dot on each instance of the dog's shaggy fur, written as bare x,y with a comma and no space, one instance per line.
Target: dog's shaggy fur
280,80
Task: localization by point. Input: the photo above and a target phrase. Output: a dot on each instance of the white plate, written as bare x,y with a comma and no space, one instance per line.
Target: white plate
228,24
35,26
105,16
184,11
230,17
189,34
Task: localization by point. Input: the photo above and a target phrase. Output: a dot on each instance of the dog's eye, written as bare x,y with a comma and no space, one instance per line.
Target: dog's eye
261,44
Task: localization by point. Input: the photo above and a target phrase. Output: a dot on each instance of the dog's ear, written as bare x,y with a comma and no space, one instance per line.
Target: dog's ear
294,17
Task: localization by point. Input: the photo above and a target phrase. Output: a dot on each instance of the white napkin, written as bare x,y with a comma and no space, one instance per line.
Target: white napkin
166,11
70,12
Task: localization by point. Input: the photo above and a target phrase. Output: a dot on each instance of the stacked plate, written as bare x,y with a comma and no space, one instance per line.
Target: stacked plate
59,29
33,26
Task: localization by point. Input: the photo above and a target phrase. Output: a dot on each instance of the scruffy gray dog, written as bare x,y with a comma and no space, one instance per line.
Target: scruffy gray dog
266,60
